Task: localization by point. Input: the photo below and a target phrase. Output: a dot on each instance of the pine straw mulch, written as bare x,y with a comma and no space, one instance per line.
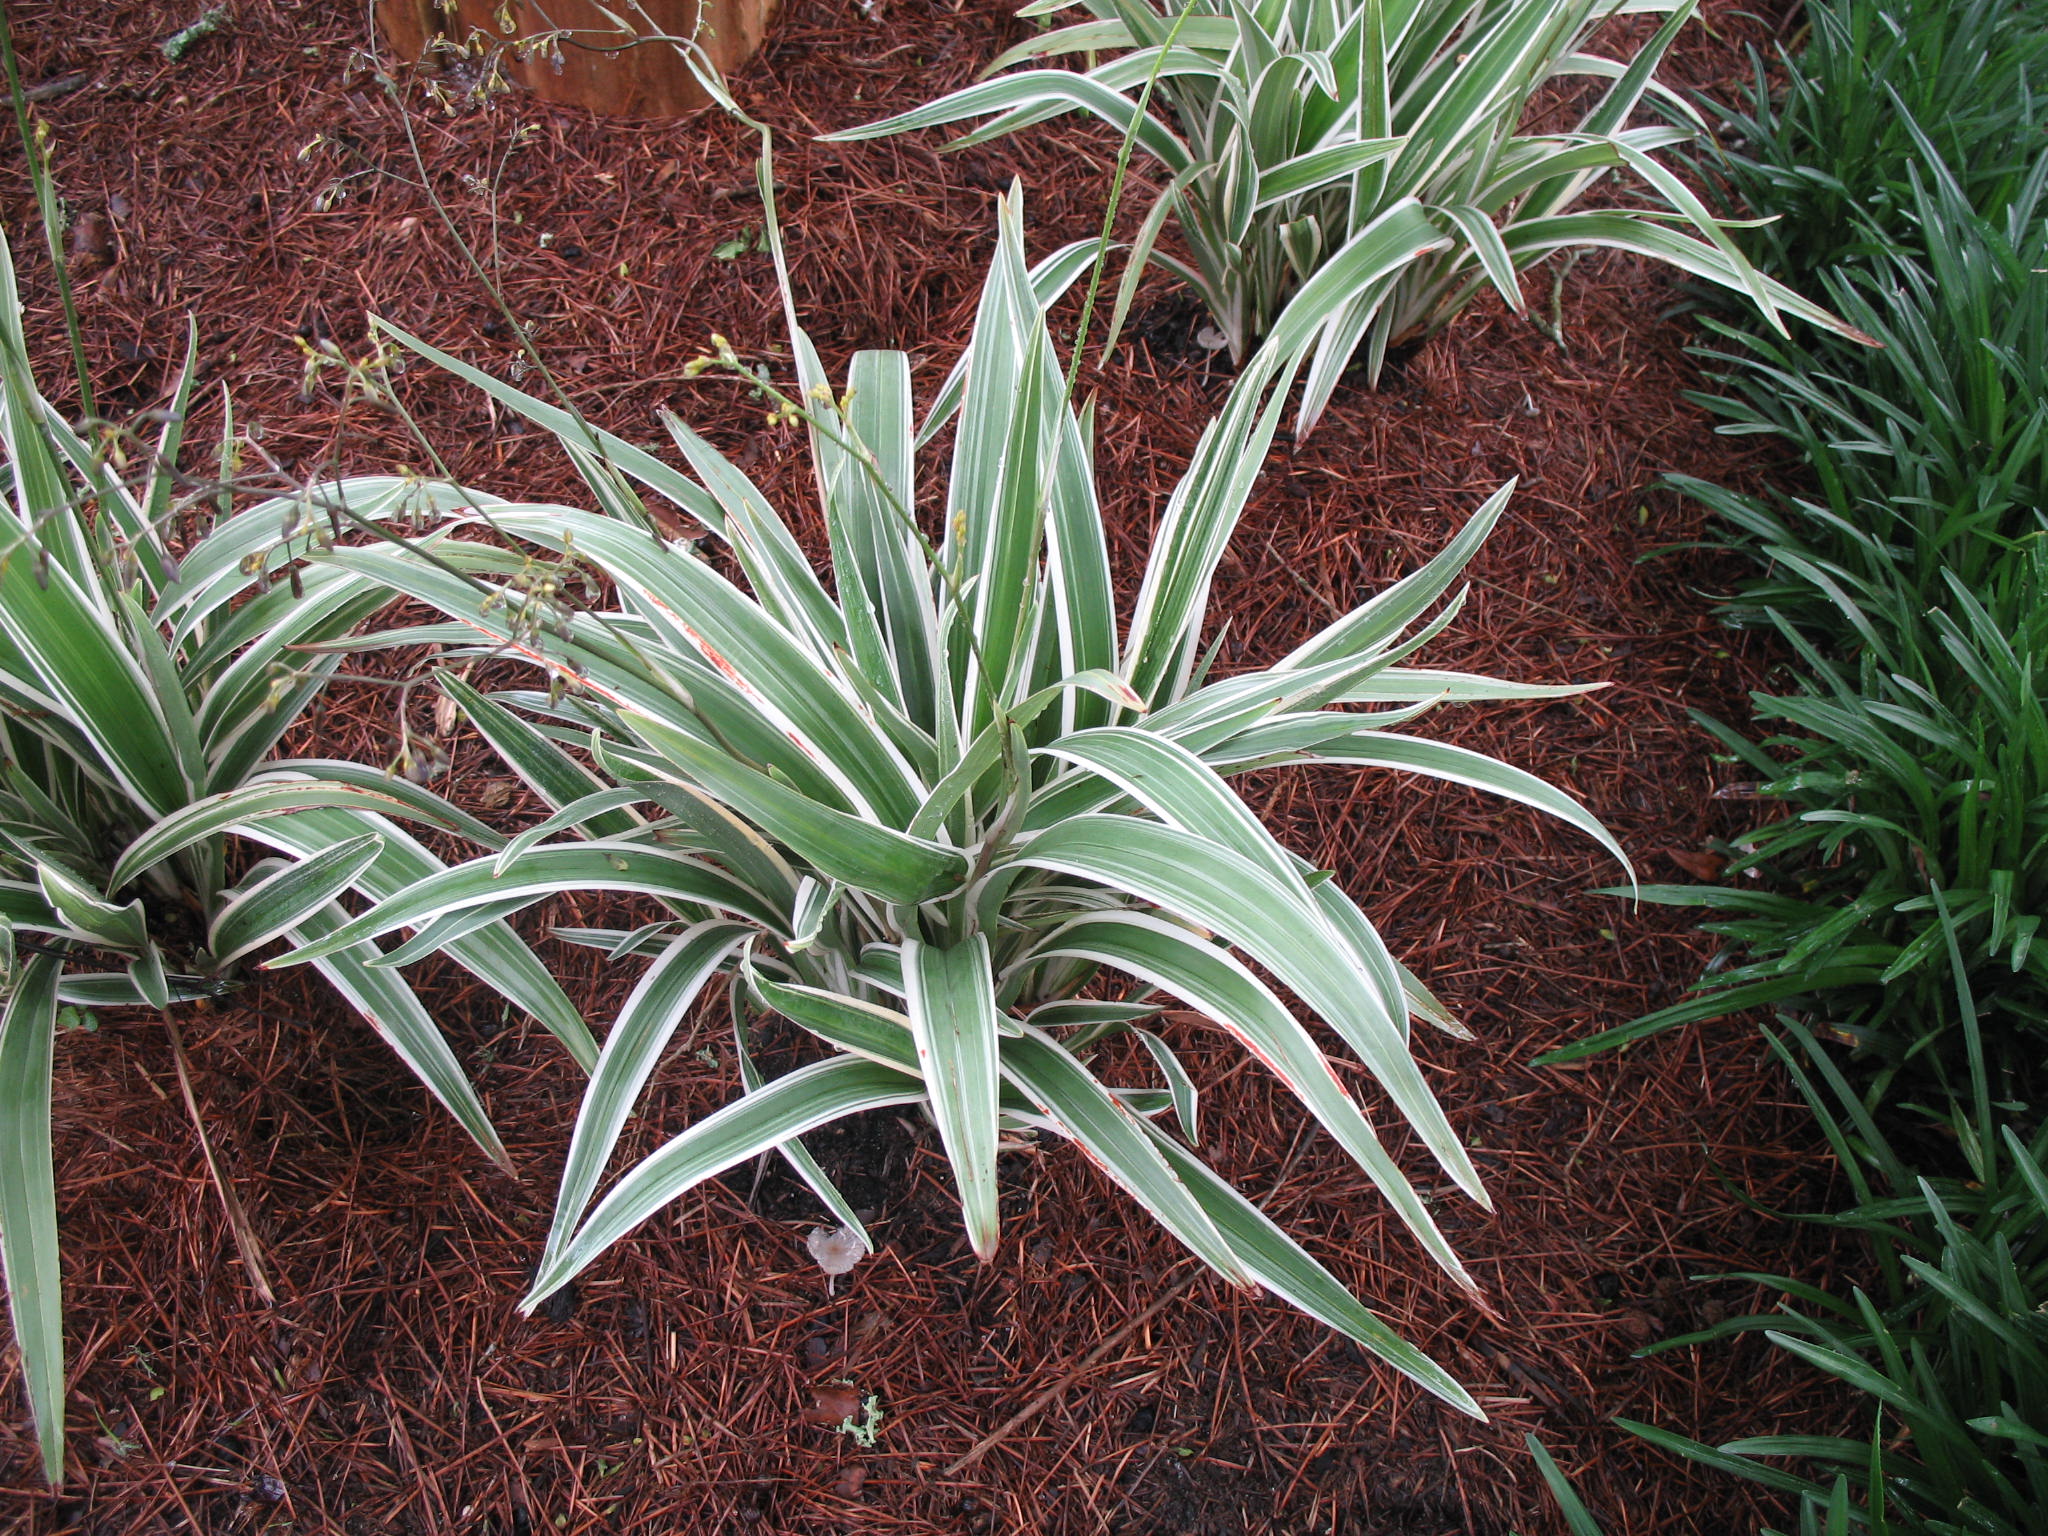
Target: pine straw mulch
1088,1379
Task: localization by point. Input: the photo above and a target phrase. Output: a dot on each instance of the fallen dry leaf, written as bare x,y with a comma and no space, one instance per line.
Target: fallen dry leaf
1639,1325
1701,866
831,1405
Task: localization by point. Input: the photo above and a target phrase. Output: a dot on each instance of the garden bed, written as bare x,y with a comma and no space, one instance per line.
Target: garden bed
1091,1377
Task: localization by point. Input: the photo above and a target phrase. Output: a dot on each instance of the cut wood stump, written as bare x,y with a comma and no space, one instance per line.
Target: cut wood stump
571,51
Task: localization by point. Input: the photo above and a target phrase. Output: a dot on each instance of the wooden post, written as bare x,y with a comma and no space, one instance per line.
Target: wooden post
591,64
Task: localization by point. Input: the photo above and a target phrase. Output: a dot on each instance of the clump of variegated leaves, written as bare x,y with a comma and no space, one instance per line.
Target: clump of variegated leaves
1297,130
952,815
141,694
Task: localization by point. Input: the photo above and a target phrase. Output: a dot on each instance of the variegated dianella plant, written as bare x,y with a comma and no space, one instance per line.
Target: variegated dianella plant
141,695
953,814
1294,129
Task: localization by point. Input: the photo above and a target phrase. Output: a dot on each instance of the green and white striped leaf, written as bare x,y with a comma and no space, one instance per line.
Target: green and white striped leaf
259,913
1221,890
801,1101
573,815
448,931
119,927
882,1035
74,652
793,1151
632,1049
152,983
950,1000
389,1007
28,1199
117,989
238,808
493,954
542,766
1461,765
1115,1140
1186,1100
779,675
1380,621
1218,985
1058,89
1281,1265
606,865
852,849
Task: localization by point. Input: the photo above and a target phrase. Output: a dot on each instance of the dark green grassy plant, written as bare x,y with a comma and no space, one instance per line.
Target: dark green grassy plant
1929,457
1912,757
1909,796
1824,134
1944,1348
1893,889
1947,1347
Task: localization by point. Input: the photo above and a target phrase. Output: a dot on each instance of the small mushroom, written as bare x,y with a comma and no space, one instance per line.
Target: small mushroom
836,1250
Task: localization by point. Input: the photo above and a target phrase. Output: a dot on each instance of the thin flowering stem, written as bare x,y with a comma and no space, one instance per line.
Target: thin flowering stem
1116,192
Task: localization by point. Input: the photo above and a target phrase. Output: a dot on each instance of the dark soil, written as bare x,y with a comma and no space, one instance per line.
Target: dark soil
267,186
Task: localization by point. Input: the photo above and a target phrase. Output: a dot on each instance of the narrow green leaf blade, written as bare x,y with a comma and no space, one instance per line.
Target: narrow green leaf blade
1281,1265
1116,1141
389,1007
791,1105
28,1200
632,1049
263,911
950,995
